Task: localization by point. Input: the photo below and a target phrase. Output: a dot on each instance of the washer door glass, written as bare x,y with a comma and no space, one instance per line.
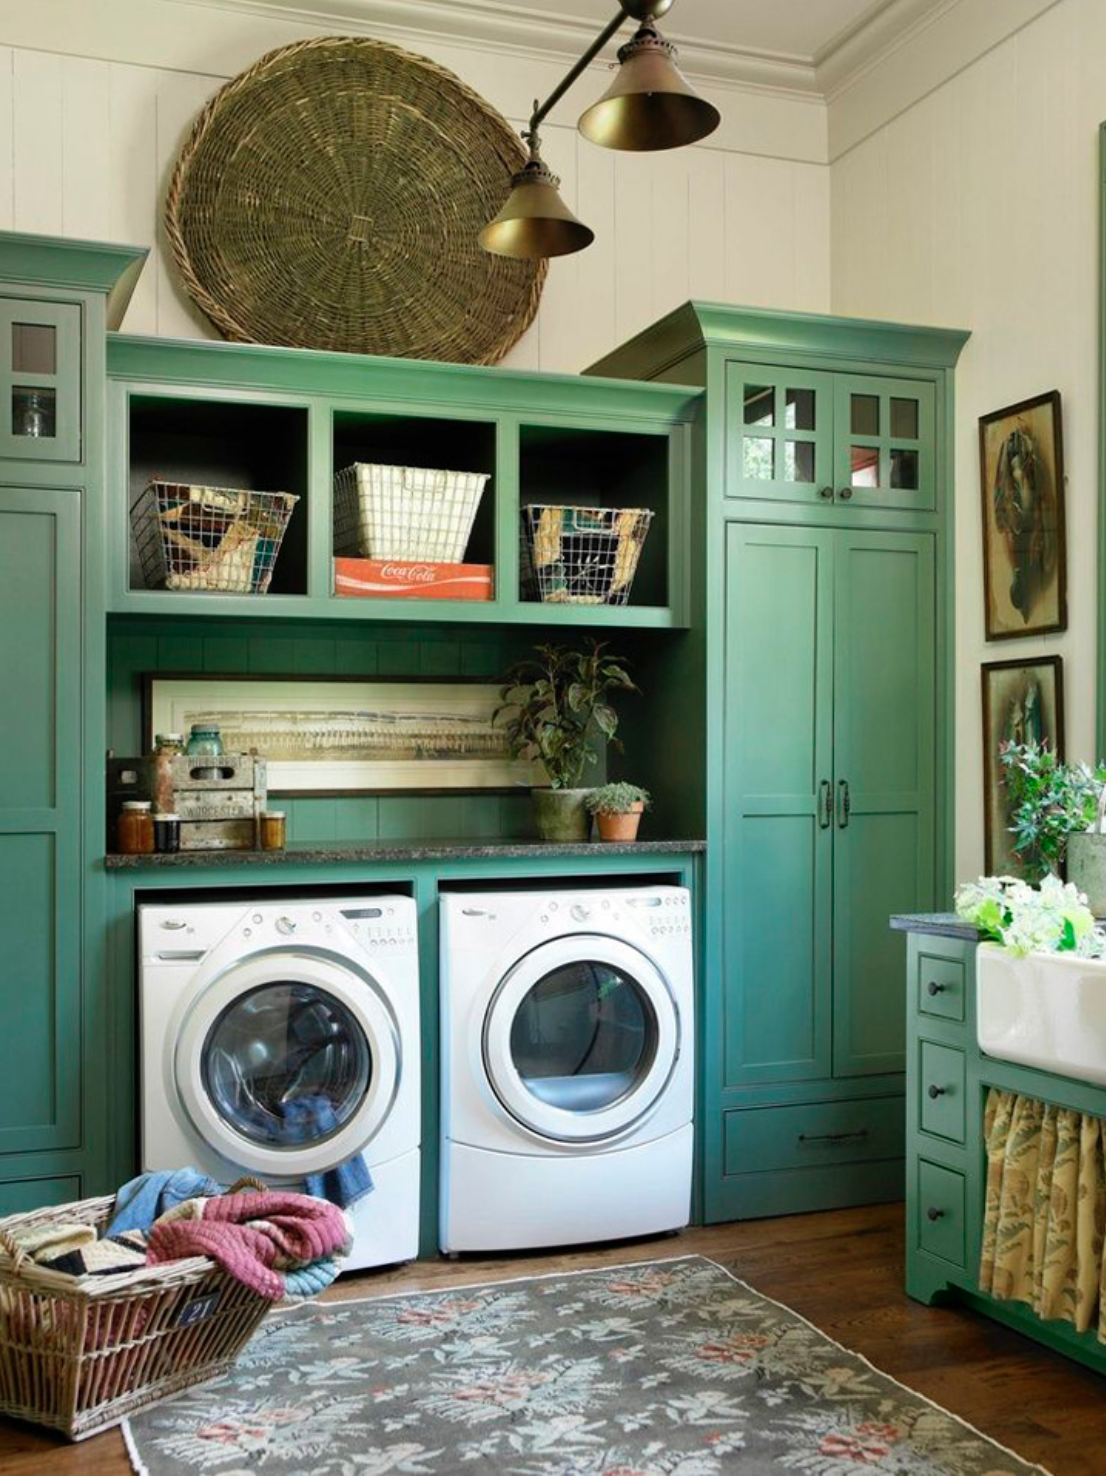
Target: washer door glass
584,1036
580,1038
286,1063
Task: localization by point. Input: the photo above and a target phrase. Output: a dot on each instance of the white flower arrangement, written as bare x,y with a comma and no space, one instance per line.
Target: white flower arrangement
1051,918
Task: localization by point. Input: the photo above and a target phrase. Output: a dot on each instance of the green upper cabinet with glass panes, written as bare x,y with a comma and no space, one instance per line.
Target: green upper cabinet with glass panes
801,437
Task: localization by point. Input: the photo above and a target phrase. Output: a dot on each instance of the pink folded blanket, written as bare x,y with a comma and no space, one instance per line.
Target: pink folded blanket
255,1236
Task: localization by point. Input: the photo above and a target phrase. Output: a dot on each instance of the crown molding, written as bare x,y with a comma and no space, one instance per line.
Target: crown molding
521,31
875,36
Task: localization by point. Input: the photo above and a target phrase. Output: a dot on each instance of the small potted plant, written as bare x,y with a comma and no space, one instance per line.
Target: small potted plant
618,809
1054,812
552,705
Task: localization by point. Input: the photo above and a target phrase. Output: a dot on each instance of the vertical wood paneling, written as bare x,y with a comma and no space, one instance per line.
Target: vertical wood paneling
706,196
180,97
760,231
633,276
133,193
594,311
86,148
557,316
811,291
37,142
670,254
7,138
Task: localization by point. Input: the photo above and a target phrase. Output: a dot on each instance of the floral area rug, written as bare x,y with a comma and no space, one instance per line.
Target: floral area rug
665,1368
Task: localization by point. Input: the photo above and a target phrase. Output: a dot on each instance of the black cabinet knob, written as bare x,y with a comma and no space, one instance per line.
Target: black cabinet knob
845,493
933,1213
934,988
826,492
936,1091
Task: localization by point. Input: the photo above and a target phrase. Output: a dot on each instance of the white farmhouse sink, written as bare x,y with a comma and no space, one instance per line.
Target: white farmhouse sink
1046,1010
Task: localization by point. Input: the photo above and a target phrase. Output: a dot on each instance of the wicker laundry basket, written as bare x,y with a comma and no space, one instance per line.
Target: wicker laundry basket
78,1354
405,512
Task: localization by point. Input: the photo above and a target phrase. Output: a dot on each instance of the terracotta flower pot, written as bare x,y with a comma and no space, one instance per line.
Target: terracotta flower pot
561,814
622,826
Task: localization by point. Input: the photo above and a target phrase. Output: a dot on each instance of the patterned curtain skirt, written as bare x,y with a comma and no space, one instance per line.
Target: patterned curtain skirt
1045,1210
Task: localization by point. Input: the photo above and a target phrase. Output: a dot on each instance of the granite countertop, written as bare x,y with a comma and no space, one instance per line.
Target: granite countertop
941,924
338,853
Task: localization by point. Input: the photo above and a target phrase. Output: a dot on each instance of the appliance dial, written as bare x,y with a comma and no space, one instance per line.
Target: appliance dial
285,925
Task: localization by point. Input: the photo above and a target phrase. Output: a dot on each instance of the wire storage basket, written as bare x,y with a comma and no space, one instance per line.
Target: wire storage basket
581,555
79,1354
209,538
405,512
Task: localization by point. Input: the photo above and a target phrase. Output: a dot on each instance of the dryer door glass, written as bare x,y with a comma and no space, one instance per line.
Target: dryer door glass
584,1036
286,1064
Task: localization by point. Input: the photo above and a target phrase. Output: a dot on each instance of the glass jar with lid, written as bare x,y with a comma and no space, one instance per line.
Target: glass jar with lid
166,748
205,741
135,831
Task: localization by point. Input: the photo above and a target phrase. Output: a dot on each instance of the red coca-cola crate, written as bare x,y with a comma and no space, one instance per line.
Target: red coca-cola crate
412,580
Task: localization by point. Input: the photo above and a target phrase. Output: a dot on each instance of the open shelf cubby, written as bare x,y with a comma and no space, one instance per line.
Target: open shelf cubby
604,468
424,441
221,443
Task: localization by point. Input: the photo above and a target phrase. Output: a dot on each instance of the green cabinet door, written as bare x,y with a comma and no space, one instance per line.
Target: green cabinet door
777,855
884,742
779,434
885,443
40,380
40,819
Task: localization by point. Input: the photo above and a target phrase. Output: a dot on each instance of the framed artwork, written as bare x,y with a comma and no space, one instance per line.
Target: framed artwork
1023,702
337,736
1021,456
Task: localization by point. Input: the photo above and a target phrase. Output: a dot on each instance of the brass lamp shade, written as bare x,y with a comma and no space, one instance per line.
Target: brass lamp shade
649,105
535,221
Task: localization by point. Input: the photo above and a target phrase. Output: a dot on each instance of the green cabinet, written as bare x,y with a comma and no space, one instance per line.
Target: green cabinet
803,437
40,818
829,801
40,380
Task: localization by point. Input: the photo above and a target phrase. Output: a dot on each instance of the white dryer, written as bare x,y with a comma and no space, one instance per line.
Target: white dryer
567,1066
248,1008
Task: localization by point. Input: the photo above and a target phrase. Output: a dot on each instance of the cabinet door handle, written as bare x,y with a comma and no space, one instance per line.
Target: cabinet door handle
826,492
933,1213
934,988
844,803
825,804
856,1136
845,493
936,1091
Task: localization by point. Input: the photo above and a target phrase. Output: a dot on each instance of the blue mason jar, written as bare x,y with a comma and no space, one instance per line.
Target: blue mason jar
204,741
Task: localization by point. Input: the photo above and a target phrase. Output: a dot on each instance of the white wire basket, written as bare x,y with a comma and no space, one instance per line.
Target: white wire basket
581,555
405,512
221,539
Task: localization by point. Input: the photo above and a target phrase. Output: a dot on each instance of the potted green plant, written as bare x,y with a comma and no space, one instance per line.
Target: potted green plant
552,705
618,809
1054,813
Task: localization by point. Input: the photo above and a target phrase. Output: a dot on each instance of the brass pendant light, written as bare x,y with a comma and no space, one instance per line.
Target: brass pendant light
648,106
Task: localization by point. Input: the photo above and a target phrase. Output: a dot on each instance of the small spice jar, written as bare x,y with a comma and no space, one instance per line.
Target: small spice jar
274,830
167,833
135,831
205,740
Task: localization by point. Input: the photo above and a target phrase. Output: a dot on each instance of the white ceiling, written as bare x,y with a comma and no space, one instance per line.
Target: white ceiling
802,30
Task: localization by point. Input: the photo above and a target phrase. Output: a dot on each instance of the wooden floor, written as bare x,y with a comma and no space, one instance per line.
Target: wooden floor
843,1271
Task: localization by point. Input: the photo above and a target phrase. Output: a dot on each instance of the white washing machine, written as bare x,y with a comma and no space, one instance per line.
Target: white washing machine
246,1009
567,1066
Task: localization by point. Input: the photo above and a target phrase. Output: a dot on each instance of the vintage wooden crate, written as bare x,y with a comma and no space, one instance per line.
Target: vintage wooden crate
219,800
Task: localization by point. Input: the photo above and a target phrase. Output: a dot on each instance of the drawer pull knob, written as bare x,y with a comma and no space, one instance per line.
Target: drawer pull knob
935,988
826,492
833,1137
936,1091
933,1213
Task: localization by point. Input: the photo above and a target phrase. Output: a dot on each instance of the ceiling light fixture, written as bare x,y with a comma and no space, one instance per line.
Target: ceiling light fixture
649,105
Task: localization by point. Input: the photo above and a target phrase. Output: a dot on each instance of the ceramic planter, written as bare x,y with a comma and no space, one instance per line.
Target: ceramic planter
561,814
622,826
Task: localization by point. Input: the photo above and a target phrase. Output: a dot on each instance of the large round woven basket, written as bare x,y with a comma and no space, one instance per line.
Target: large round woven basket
330,197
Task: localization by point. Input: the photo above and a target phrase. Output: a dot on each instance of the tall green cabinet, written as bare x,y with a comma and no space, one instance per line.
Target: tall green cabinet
815,697
56,299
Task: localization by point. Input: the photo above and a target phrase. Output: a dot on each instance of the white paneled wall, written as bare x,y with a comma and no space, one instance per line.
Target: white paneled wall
88,143
977,208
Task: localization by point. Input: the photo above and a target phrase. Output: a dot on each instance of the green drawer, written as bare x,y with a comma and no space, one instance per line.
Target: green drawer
814,1134
29,1194
941,1212
941,1083
941,986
